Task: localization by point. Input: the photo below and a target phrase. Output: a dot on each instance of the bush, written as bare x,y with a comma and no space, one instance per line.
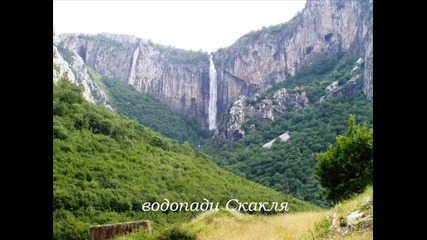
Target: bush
347,167
177,233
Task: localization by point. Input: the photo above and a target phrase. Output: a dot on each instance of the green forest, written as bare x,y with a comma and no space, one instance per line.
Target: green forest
289,167
346,167
106,166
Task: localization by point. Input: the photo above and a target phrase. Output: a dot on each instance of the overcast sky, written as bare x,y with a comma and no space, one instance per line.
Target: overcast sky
206,25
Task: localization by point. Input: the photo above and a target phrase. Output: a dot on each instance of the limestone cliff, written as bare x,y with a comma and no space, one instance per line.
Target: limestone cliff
355,84
176,77
262,58
70,66
266,109
231,129
248,67
61,69
368,77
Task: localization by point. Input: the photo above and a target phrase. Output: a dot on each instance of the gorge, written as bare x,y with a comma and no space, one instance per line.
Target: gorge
182,79
245,121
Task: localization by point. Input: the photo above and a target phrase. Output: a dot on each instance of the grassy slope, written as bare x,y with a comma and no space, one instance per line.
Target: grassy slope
334,224
244,227
302,225
106,166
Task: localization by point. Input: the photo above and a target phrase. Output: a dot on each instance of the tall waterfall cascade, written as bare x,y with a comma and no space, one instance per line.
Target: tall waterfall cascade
212,95
131,79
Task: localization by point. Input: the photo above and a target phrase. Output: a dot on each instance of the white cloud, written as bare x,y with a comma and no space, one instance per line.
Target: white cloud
206,25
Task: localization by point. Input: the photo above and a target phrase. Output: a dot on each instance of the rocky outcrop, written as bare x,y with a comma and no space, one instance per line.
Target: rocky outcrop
358,220
364,45
61,69
354,85
368,80
282,137
231,129
248,67
281,102
368,77
262,58
70,66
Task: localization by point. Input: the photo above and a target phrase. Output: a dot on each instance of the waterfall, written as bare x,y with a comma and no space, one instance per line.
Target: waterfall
131,79
212,95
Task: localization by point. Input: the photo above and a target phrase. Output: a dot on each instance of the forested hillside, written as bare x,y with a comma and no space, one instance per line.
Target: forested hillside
106,166
282,114
289,166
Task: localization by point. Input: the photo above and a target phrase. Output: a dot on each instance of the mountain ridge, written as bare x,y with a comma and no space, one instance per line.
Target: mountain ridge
255,62
268,82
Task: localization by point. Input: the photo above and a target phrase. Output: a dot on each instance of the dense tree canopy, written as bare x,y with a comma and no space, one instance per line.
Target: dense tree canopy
347,166
289,167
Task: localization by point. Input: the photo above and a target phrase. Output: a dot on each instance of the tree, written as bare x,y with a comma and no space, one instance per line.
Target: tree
347,167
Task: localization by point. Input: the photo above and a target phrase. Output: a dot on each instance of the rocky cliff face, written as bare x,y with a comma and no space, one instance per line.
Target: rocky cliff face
355,84
368,77
61,69
262,58
176,77
231,129
266,109
248,67
70,66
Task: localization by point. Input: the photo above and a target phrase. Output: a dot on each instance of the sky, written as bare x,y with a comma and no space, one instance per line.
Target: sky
205,25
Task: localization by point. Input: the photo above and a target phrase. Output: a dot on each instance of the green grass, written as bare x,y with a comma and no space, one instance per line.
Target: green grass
333,225
305,225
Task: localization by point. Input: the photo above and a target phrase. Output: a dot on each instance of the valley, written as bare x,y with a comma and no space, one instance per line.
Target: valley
135,121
